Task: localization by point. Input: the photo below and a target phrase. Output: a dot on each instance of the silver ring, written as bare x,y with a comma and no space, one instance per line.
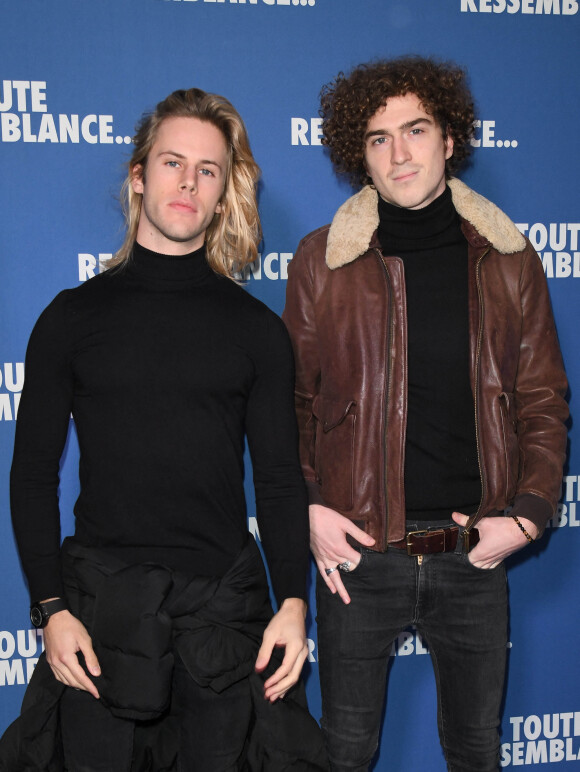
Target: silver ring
328,571
345,566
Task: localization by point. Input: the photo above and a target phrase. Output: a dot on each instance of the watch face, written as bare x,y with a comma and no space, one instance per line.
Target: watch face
36,616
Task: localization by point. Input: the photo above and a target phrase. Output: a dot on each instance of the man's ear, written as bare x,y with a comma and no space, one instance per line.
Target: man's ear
448,146
137,178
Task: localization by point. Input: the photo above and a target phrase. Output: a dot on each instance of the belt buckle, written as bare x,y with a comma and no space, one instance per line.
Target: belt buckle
410,546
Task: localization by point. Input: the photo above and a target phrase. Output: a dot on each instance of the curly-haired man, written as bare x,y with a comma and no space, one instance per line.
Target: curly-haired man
430,398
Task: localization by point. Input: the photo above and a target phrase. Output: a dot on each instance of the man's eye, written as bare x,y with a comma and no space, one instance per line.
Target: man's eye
379,140
173,164
206,172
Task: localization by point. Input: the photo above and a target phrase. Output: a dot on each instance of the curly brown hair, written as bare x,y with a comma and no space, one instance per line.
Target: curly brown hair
349,101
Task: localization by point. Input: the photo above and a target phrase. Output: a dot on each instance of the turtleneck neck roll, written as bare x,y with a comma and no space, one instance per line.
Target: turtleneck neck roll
154,267
437,224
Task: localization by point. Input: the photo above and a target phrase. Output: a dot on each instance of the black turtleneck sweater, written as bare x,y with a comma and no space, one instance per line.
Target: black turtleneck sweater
441,466
165,366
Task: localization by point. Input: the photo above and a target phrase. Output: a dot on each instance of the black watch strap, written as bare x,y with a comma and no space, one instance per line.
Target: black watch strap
41,612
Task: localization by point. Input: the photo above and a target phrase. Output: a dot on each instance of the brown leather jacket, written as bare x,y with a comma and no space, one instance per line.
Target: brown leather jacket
345,311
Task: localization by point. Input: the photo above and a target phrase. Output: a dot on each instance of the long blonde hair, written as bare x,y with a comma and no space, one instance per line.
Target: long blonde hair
233,235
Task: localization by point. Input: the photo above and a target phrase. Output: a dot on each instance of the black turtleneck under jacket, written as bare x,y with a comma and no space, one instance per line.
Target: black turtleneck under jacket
441,466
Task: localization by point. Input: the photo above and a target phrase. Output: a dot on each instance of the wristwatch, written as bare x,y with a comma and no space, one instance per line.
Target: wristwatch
40,612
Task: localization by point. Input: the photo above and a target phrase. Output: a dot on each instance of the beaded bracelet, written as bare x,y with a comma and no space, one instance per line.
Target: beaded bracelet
522,529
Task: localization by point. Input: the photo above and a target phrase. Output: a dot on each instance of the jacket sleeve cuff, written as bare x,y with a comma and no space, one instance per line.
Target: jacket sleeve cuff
534,508
314,496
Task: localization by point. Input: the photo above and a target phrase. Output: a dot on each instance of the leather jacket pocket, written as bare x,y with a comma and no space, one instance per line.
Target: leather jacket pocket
334,450
510,442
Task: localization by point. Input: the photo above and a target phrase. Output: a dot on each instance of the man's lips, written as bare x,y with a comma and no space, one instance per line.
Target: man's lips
405,176
183,206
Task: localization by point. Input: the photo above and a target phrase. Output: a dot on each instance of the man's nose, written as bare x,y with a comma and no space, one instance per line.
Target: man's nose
188,179
400,152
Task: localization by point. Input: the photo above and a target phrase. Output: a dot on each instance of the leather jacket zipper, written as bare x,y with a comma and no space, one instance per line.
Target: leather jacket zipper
476,517
388,395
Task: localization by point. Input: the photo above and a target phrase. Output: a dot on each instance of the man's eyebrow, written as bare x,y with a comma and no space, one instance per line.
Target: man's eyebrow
175,154
402,127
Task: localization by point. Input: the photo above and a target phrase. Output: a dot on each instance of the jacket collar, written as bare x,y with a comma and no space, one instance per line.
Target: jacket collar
356,221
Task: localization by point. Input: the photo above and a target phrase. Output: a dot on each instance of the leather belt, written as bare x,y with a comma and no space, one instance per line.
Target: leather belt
437,540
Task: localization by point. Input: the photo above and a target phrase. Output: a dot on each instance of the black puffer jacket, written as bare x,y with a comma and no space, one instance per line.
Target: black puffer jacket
137,616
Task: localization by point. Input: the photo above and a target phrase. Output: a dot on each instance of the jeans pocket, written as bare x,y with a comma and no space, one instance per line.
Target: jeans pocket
360,565
469,564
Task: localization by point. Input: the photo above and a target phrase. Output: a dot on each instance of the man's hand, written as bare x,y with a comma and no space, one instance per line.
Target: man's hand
498,538
64,635
328,530
286,629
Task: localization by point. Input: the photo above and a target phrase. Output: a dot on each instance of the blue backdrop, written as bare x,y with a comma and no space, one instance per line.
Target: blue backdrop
74,78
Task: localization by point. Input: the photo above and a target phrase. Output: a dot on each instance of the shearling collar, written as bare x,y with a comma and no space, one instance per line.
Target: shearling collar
357,219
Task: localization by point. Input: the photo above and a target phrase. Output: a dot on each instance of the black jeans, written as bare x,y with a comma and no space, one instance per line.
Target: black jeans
212,729
461,612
